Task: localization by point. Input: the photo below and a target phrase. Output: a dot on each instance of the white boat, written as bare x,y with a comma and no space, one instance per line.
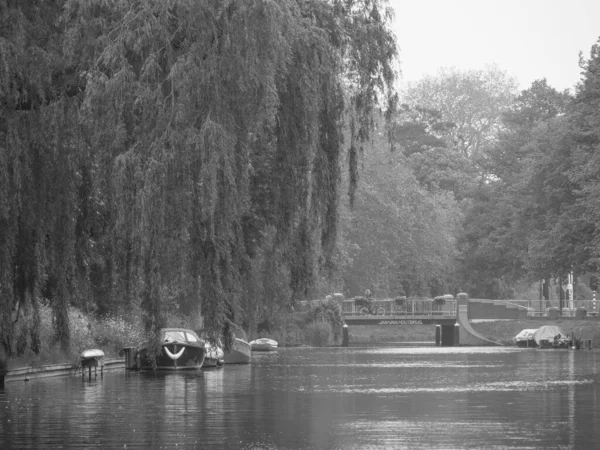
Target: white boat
525,338
240,353
263,344
92,357
214,355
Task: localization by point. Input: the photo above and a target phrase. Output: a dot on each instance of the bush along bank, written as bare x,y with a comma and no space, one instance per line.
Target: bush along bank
320,326
109,333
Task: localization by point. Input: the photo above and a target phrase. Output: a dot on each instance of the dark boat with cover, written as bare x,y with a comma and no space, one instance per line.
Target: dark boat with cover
178,349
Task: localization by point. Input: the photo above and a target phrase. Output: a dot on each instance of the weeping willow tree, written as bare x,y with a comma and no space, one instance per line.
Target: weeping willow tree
197,164
42,243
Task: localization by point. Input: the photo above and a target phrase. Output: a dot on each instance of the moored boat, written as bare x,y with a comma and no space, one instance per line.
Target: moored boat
93,357
214,355
525,338
179,349
239,353
264,345
551,336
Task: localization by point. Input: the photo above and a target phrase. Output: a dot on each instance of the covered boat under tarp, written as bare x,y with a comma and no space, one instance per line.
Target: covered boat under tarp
178,349
549,336
525,338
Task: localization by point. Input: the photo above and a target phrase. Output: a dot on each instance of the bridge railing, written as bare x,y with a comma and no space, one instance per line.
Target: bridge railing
540,307
416,307
413,307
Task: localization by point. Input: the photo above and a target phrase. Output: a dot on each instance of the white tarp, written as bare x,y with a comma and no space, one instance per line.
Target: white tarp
547,333
525,335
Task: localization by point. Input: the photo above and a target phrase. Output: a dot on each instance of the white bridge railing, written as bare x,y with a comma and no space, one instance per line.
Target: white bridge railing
419,307
430,307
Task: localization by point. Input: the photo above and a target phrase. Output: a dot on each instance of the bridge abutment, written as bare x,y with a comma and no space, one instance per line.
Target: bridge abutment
449,335
468,335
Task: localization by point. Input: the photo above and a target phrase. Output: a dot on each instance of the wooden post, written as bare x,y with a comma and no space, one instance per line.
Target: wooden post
456,334
345,336
3,366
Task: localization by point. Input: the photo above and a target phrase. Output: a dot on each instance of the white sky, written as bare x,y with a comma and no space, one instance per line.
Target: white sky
530,39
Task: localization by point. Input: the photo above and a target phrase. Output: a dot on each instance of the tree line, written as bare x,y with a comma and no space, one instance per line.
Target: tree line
485,189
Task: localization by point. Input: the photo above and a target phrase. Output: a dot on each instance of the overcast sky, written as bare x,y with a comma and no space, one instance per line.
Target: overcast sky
530,39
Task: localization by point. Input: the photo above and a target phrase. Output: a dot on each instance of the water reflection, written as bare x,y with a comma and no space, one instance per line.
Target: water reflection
323,399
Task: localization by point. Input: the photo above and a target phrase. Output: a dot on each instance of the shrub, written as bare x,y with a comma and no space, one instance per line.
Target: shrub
108,333
112,333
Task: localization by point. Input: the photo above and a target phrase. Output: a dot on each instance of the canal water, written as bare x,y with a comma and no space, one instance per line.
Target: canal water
327,398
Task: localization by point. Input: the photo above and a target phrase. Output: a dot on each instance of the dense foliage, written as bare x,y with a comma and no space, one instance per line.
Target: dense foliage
485,190
535,216
177,154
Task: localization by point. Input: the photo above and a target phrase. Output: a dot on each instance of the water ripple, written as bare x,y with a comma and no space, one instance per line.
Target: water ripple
500,386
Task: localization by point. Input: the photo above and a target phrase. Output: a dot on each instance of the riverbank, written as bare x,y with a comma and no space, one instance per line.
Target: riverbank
504,330
87,331
500,331
29,373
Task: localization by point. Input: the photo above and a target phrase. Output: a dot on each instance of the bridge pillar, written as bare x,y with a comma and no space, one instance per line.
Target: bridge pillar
449,335
345,336
438,335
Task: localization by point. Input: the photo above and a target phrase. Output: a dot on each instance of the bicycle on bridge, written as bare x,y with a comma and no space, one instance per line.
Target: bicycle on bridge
366,306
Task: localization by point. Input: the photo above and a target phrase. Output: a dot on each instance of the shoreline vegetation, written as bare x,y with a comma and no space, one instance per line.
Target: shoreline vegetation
110,333
318,327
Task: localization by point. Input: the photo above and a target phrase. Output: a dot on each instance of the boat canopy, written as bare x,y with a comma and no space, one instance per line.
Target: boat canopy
179,336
